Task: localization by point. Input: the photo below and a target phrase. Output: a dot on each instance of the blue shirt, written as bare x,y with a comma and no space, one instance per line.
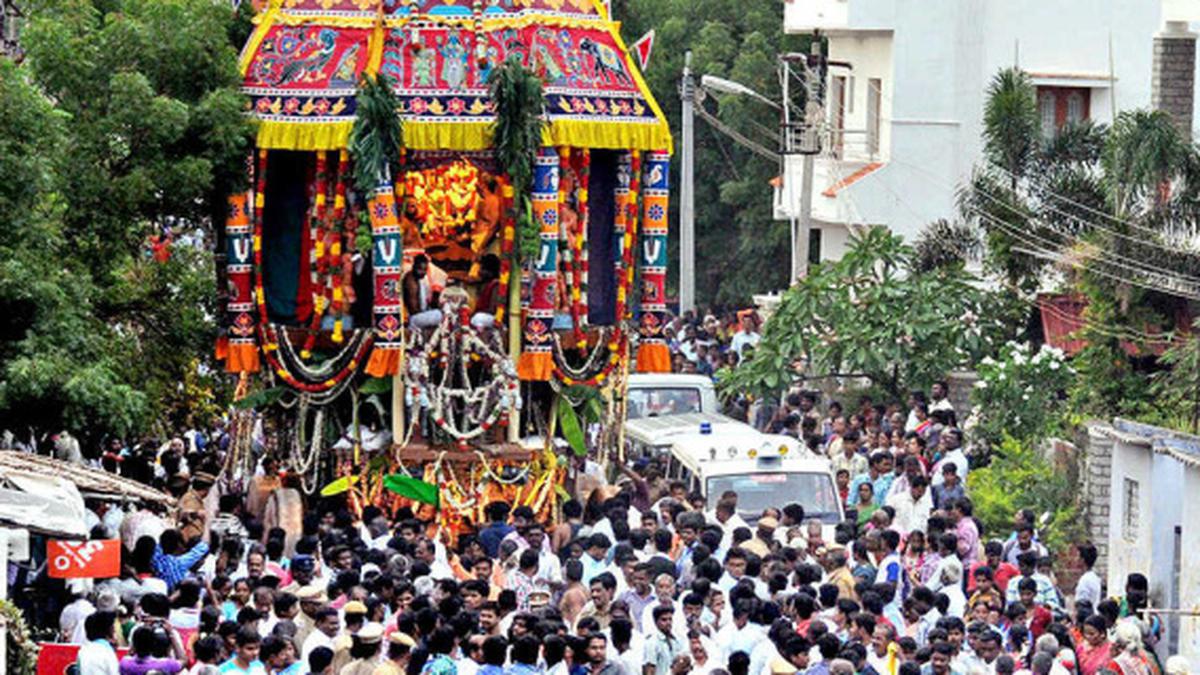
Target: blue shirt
491,536
231,667
174,568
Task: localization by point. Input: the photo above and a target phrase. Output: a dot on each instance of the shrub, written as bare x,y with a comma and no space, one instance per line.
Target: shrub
1020,478
1020,395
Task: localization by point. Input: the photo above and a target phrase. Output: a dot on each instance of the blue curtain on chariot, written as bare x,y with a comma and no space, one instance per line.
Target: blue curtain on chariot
602,282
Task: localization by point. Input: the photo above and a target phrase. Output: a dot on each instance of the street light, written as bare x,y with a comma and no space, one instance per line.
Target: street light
798,230
736,88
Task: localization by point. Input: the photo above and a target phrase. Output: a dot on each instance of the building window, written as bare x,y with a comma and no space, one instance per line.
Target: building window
1060,106
1129,523
837,112
814,246
1046,111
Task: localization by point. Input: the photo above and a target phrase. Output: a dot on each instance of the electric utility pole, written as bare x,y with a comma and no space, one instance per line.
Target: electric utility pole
802,137
687,198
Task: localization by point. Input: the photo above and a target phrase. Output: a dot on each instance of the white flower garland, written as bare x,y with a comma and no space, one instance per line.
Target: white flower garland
595,358
454,343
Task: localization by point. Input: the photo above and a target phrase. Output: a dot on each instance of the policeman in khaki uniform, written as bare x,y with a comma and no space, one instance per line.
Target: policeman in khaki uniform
192,517
364,651
400,648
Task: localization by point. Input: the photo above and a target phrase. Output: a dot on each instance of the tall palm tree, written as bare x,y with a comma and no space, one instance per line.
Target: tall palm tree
1011,125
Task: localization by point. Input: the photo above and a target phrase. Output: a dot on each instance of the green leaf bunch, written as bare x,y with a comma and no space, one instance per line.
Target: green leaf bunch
377,135
516,136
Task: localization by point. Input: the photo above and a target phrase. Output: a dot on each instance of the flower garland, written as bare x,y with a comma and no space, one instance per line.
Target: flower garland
454,345
508,236
322,371
316,254
267,331
572,243
581,287
592,373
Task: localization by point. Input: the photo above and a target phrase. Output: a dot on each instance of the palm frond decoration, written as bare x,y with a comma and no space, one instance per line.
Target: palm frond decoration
377,136
516,137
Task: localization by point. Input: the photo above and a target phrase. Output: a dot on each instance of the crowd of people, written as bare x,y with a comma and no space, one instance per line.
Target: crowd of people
635,576
706,342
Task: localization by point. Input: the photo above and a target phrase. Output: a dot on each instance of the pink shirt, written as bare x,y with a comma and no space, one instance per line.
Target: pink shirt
968,540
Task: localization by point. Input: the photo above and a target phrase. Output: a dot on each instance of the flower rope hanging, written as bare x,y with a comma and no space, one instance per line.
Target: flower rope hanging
303,378
613,342
454,346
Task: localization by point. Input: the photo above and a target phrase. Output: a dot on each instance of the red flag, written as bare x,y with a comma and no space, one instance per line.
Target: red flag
643,47
96,559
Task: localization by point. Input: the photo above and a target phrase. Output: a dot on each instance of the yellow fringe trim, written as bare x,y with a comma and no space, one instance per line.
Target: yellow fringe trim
468,136
274,135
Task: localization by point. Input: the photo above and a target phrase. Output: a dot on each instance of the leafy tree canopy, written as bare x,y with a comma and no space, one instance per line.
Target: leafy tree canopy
123,122
873,315
740,248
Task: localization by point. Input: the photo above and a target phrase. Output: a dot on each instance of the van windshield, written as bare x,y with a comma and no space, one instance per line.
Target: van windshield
758,491
656,402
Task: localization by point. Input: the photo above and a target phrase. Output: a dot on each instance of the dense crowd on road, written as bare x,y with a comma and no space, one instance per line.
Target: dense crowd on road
636,576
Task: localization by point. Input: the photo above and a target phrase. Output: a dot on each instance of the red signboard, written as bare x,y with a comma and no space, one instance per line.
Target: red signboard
54,658
96,559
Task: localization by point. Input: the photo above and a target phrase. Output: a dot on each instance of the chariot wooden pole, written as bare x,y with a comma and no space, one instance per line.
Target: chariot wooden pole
514,336
398,425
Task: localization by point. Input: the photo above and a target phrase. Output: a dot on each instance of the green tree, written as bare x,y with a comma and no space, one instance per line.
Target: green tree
1178,389
1112,208
123,121
1020,478
742,248
842,321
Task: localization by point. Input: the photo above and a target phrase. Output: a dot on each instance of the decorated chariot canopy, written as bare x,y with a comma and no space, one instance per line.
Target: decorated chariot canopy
305,59
596,202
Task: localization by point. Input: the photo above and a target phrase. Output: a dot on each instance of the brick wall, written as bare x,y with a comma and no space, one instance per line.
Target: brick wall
1173,76
1097,481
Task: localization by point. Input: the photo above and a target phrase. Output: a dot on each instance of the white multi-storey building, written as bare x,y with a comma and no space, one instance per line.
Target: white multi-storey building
906,118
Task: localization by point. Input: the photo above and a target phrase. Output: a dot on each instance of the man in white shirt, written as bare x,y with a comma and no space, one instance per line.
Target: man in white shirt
740,635
912,506
952,452
726,516
327,628
1089,588
96,656
71,620
938,396
747,335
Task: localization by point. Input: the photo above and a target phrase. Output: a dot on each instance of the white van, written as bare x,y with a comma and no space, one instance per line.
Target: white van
661,394
713,454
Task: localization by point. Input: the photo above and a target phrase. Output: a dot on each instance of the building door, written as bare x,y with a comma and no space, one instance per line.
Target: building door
874,114
837,96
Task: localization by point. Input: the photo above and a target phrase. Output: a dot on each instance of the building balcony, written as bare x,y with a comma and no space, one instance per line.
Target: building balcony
839,16
848,156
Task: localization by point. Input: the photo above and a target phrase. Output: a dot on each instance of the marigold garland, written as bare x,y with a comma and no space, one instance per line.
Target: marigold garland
507,239
626,221
267,331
